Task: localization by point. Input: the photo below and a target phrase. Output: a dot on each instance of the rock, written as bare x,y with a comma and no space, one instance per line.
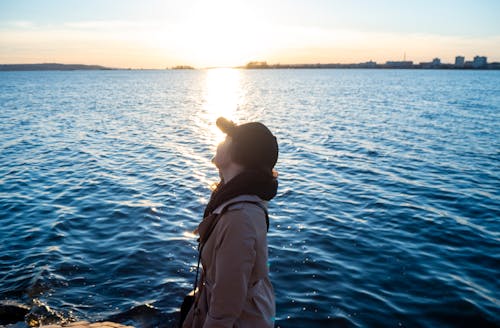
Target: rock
12,313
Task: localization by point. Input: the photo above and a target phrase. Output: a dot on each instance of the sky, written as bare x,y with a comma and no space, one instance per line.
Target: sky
160,34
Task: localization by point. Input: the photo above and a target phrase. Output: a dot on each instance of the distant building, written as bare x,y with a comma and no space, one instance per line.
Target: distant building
479,62
368,64
494,65
436,62
399,64
459,61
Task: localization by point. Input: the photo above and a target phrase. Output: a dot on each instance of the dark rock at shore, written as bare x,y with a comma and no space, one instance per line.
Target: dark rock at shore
12,313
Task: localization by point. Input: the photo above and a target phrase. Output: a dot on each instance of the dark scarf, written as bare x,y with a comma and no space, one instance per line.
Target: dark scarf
249,182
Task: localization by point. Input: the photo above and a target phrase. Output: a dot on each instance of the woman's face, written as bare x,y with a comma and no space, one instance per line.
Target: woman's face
222,157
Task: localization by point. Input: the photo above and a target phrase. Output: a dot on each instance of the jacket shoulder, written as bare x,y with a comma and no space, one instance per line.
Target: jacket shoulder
243,200
237,211
236,206
248,208
248,214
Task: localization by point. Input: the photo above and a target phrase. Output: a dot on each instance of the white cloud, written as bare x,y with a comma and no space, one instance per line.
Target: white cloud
19,24
111,25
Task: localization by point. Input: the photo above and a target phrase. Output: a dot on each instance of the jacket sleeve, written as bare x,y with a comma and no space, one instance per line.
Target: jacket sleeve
234,261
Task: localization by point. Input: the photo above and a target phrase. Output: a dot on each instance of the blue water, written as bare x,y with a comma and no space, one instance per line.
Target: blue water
387,213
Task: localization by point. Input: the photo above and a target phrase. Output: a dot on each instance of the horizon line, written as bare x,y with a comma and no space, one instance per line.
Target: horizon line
263,62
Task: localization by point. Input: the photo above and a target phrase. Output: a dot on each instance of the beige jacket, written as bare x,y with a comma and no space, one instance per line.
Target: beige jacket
234,289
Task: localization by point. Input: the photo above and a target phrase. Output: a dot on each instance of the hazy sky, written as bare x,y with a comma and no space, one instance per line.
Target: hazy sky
158,34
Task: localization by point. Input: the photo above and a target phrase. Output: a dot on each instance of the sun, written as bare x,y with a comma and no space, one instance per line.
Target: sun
222,33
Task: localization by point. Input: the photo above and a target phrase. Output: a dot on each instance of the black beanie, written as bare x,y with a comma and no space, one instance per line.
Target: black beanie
253,145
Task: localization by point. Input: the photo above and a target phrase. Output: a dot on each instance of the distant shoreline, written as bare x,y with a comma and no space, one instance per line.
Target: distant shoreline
374,65
51,67
79,67
326,66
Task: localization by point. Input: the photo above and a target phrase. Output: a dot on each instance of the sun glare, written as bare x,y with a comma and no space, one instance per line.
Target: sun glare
222,33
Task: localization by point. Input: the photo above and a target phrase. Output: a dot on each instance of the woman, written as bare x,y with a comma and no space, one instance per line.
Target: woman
234,288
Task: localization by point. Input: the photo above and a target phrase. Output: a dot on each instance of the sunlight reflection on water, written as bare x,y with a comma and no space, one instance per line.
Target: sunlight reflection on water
223,94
